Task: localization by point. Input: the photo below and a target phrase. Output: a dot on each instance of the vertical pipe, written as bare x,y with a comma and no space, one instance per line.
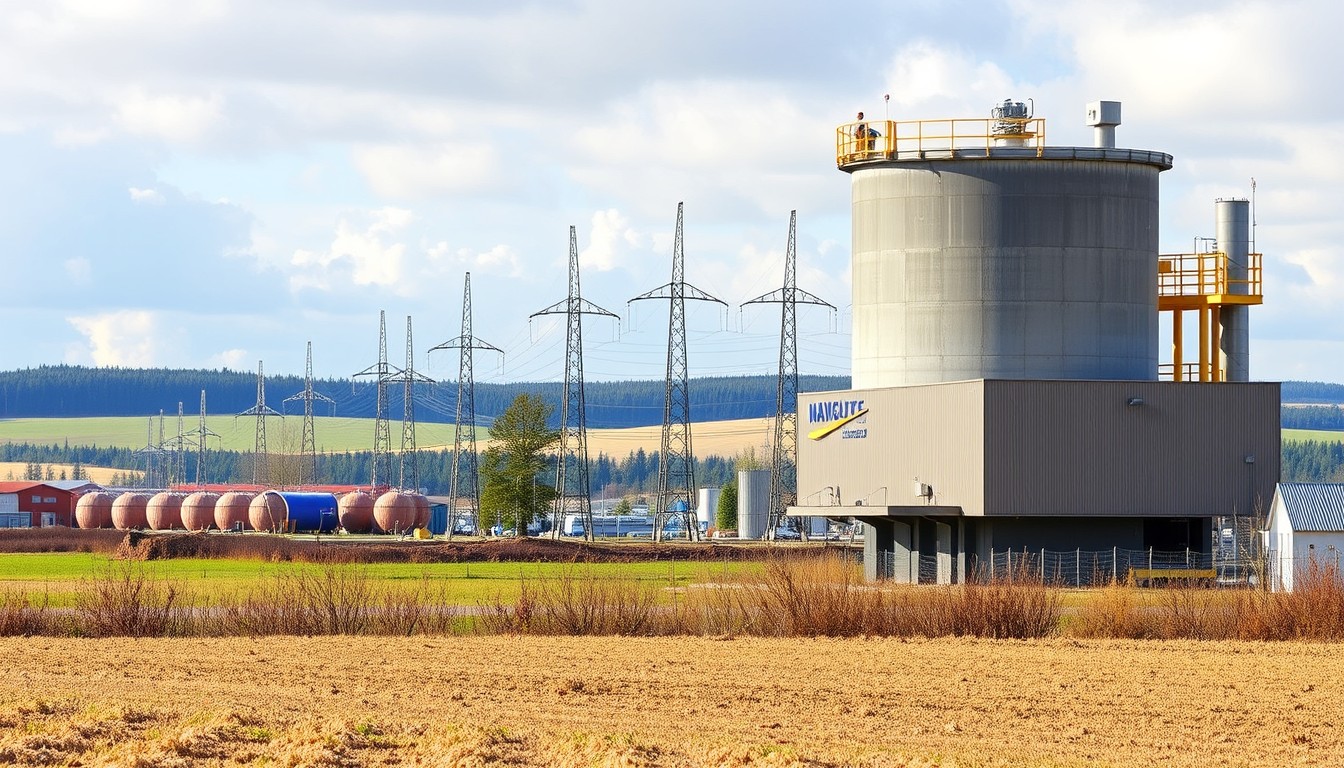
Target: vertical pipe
1177,352
1215,344
1233,230
1204,344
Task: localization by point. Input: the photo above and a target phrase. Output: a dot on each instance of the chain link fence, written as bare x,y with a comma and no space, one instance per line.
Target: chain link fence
1080,568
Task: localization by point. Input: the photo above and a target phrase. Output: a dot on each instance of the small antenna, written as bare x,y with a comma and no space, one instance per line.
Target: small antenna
1253,221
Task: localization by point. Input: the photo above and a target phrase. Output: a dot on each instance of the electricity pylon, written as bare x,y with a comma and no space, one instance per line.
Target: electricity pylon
308,459
466,344
382,431
571,484
153,456
409,457
202,432
676,462
179,469
784,460
260,454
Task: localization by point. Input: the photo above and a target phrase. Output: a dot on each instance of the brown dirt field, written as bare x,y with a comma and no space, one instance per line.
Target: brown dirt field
478,701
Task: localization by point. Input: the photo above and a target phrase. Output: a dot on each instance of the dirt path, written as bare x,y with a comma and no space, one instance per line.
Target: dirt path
669,702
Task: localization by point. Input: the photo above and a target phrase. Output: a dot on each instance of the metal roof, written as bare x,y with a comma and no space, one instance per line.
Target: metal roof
1314,506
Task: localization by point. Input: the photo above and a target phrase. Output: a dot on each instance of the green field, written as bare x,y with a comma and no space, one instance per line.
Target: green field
59,576
1319,435
334,434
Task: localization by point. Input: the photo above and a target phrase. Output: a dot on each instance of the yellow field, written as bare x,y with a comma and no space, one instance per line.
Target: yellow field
101,475
475,701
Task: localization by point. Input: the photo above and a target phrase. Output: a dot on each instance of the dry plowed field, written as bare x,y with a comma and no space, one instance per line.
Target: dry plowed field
479,701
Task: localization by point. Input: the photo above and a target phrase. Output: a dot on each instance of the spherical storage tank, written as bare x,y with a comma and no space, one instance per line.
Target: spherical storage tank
198,511
267,513
94,510
394,512
231,510
1005,263
164,511
305,511
356,512
128,511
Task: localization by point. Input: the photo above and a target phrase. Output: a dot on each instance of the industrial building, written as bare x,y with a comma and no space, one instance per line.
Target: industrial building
1305,531
1008,393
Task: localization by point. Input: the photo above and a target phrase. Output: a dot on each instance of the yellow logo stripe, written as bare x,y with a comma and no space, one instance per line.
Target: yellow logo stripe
827,429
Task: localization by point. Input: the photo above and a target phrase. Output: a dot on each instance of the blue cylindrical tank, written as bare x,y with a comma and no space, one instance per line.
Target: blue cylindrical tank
308,511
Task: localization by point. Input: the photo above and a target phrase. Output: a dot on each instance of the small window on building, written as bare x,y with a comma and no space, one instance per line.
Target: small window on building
37,499
49,500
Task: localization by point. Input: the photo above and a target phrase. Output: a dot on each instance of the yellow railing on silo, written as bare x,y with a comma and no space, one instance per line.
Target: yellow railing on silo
870,140
1202,282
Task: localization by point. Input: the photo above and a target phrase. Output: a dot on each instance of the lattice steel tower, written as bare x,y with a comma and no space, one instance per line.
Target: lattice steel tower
202,432
308,460
571,480
260,454
410,456
676,462
382,431
179,469
466,406
783,462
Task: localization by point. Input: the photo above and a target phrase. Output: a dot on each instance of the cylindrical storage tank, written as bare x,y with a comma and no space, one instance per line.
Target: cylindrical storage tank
394,512
707,506
308,511
355,511
198,511
421,509
128,511
1233,230
164,511
94,510
1011,266
266,512
753,503
231,510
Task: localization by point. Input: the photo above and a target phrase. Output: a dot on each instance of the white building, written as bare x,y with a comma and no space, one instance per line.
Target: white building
1306,525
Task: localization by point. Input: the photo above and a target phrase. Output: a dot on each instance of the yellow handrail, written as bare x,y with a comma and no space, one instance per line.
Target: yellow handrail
1206,274
960,137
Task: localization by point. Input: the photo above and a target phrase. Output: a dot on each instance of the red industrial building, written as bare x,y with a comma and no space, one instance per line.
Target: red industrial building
25,503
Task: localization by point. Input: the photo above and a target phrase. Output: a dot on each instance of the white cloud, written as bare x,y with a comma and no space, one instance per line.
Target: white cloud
123,338
231,359
608,241
364,257
181,119
417,172
151,196
78,269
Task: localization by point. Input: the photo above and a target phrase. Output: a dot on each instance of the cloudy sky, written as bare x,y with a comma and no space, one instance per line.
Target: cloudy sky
205,183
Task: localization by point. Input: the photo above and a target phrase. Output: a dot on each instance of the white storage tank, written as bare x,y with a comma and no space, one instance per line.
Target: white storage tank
707,506
753,503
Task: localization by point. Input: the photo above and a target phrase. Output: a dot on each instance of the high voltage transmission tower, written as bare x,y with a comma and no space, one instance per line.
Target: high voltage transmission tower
202,432
260,454
382,431
308,460
676,462
571,481
153,456
466,344
784,460
178,472
409,459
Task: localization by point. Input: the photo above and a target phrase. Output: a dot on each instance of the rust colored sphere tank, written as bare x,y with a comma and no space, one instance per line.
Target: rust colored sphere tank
421,510
355,511
164,511
198,511
94,510
394,512
267,512
231,510
128,511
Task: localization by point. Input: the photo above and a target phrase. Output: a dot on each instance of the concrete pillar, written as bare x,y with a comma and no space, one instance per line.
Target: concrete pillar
943,533
1233,230
877,547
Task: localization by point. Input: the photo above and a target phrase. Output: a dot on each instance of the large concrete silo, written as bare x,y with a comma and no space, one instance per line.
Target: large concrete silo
1004,261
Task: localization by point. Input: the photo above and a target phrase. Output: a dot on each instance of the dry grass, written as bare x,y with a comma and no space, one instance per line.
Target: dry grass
680,701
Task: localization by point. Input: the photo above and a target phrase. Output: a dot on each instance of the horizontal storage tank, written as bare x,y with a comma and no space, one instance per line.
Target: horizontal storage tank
198,511
306,511
128,511
421,509
355,511
394,512
94,510
231,510
164,511
753,503
1008,263
266,513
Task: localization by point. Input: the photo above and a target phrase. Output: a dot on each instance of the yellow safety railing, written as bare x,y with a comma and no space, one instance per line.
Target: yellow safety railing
1205,274
912,139
1189,372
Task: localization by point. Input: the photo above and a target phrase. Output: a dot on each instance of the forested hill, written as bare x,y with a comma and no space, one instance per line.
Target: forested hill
66,391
